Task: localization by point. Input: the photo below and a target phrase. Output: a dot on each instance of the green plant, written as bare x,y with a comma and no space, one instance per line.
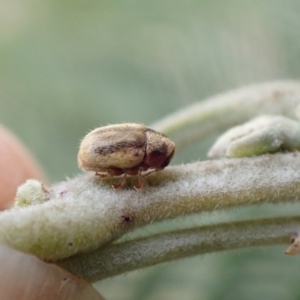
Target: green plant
79,223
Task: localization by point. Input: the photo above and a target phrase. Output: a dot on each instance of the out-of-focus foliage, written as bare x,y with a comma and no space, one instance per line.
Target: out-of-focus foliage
69,66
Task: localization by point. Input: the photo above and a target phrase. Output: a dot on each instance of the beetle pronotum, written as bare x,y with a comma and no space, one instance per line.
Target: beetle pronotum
125,149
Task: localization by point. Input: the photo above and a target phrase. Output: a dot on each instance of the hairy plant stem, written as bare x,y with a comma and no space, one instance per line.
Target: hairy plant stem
85,212
122,257
218,113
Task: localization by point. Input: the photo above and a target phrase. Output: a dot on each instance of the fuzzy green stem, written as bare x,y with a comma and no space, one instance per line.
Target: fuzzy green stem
218,113
264,134
122,257
85,212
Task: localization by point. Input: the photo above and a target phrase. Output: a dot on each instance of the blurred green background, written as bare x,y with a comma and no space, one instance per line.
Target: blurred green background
69,66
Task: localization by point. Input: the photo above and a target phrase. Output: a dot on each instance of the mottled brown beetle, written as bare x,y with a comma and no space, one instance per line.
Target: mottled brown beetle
125,149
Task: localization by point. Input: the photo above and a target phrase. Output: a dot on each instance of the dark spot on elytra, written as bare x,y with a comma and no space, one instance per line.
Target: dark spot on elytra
70,244
118,146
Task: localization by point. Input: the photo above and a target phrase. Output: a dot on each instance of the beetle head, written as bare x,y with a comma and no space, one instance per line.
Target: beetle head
159,150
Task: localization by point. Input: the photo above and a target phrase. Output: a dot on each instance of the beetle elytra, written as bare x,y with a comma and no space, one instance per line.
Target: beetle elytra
125,149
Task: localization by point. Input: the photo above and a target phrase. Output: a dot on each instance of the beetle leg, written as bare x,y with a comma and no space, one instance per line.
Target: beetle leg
102,175
122,182
140,179
152,171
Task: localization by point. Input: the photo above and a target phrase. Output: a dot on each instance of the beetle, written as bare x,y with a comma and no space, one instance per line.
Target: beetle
125,149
